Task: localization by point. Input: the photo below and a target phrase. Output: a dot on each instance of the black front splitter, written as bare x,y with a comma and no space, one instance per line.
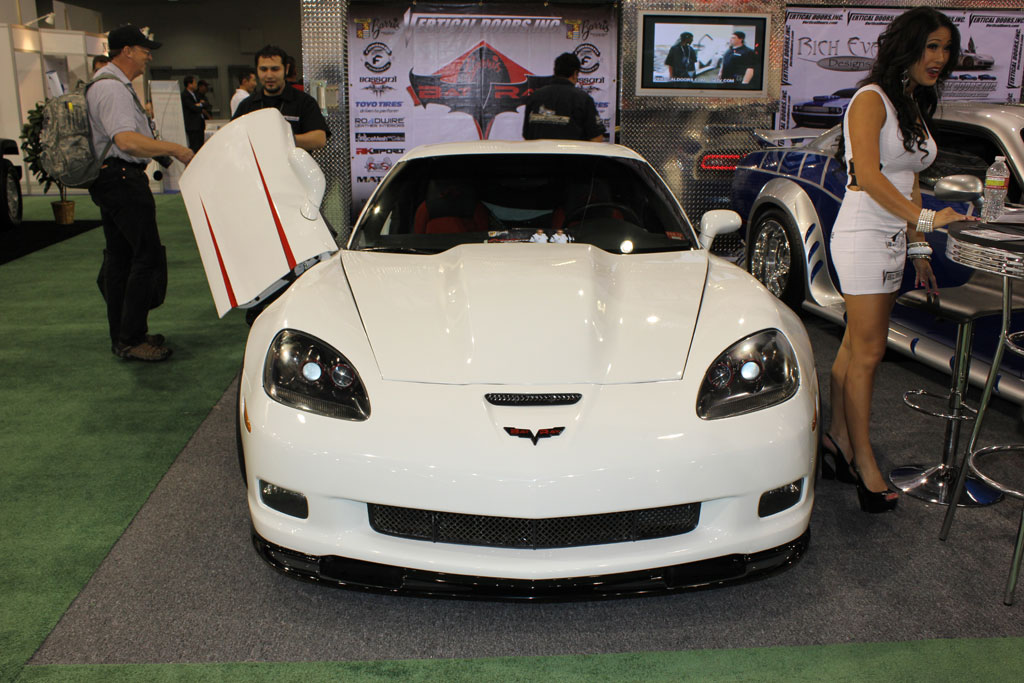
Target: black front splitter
343,572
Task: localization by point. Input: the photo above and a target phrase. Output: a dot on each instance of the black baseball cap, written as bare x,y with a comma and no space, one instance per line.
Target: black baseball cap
124,36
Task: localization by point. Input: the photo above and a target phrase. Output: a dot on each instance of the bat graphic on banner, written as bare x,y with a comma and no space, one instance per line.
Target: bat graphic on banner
482,83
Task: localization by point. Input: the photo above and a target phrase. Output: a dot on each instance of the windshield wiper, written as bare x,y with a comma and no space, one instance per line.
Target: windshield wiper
400,250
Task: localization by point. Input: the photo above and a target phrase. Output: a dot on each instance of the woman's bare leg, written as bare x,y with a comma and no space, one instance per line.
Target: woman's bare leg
837,424
867,328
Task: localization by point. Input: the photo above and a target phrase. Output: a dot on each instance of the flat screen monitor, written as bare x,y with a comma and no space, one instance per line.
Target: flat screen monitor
702,54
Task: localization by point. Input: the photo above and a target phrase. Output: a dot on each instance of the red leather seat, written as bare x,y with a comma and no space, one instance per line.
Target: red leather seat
450,207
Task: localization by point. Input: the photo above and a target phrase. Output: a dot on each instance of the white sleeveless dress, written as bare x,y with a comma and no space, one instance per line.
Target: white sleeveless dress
868,243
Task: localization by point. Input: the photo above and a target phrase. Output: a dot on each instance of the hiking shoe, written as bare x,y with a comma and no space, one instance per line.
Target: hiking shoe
144,352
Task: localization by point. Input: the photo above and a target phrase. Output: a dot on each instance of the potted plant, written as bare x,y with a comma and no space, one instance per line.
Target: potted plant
63,210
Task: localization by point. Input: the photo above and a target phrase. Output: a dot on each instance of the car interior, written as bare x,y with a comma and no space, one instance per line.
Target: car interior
432,204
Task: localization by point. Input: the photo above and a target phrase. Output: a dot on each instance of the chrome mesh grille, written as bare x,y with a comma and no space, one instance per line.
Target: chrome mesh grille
533,399
989,259
515,532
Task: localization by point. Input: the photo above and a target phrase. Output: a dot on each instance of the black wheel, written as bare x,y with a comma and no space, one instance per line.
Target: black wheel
775,257
238,432
10,200
968,62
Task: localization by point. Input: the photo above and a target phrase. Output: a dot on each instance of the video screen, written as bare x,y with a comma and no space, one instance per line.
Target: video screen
685,54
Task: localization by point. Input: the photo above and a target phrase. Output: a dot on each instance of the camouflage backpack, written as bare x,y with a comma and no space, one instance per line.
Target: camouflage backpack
65,138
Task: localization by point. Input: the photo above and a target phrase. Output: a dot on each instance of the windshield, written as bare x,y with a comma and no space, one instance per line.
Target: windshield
431,204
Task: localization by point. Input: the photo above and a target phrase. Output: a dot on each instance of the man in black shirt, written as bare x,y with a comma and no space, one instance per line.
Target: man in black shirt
192,109
682,58
739,61
560,110
298,108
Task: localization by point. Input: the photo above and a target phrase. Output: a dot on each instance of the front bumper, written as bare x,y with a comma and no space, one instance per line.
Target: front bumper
343,572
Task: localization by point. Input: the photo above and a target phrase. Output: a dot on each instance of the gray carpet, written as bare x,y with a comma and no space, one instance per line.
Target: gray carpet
183,584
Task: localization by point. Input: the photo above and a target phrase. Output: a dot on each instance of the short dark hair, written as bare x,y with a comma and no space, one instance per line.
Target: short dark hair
98,60
188,80
566,64
200,84
244,76
740,34
269,51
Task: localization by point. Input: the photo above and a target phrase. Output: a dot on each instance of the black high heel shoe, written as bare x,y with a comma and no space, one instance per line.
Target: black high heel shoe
834,464
875,501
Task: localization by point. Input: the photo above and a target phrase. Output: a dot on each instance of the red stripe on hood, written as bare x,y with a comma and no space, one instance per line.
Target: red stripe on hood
220,259
277,219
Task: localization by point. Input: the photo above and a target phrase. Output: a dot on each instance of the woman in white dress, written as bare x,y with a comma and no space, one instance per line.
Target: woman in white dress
887,144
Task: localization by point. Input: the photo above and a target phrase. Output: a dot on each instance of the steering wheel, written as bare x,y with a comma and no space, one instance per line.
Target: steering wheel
629,213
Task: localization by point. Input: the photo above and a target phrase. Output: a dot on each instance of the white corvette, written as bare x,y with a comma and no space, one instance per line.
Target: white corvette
524,378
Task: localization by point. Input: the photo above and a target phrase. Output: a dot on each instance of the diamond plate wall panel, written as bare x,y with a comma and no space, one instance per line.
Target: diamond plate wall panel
325,58
673,133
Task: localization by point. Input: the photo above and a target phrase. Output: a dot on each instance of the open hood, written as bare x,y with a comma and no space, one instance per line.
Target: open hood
528,314
253,198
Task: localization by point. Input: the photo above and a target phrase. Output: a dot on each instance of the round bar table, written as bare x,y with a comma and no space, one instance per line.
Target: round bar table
995,248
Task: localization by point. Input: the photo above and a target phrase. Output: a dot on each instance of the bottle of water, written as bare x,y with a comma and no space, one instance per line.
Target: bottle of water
997,178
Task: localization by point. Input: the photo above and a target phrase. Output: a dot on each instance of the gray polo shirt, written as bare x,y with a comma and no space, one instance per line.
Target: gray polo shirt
114,109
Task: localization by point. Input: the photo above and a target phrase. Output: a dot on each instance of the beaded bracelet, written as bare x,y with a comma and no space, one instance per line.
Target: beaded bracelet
926,220
914,257
918,249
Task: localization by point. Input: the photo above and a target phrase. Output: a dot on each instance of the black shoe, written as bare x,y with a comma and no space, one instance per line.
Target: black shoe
834,464
876,501
144,352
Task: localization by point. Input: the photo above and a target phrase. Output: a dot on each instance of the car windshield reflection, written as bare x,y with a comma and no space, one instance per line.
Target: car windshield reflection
428,205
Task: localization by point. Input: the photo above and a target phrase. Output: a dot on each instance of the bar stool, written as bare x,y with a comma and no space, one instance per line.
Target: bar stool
973,461
969,246
980,296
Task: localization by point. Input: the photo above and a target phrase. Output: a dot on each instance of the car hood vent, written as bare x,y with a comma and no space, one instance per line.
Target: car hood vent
528,314
533,399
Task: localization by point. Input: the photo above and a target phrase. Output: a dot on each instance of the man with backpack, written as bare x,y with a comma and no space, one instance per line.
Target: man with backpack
133,260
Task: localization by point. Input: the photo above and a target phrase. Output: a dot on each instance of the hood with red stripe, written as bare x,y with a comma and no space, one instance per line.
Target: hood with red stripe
253,200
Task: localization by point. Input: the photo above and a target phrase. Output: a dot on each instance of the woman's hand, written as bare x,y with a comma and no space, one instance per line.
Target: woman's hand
924,277
947,216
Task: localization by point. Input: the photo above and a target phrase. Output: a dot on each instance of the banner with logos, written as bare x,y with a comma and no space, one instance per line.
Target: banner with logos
430,72
828,50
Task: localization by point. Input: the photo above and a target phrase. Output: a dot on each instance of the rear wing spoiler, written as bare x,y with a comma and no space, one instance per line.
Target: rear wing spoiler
787,137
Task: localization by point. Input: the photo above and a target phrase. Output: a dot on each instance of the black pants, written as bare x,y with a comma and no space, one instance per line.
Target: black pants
133,255
195,139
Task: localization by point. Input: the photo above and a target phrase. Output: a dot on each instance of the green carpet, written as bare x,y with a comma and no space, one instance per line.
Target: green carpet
86,437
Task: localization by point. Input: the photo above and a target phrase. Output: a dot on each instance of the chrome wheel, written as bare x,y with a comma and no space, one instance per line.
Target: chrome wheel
770,257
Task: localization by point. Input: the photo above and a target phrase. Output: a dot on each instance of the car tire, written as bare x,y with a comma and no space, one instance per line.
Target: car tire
968,62
238,433
10,197
774,257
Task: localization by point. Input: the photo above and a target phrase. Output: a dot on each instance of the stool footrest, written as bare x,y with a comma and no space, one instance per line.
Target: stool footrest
910,396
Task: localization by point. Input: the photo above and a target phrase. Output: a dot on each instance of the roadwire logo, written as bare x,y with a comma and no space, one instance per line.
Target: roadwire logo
481,82
541,433
377,57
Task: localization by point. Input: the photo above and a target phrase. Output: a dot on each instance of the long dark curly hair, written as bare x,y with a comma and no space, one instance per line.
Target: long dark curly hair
900,46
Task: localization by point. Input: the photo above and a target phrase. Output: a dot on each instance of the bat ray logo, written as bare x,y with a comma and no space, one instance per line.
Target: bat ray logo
378,57
481,82
589,56
378,89
541,433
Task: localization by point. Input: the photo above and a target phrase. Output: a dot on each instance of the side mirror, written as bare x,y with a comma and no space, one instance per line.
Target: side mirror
717,222
960,188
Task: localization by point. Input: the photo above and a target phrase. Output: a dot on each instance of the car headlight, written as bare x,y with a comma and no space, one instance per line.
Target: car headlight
754,373
305,373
